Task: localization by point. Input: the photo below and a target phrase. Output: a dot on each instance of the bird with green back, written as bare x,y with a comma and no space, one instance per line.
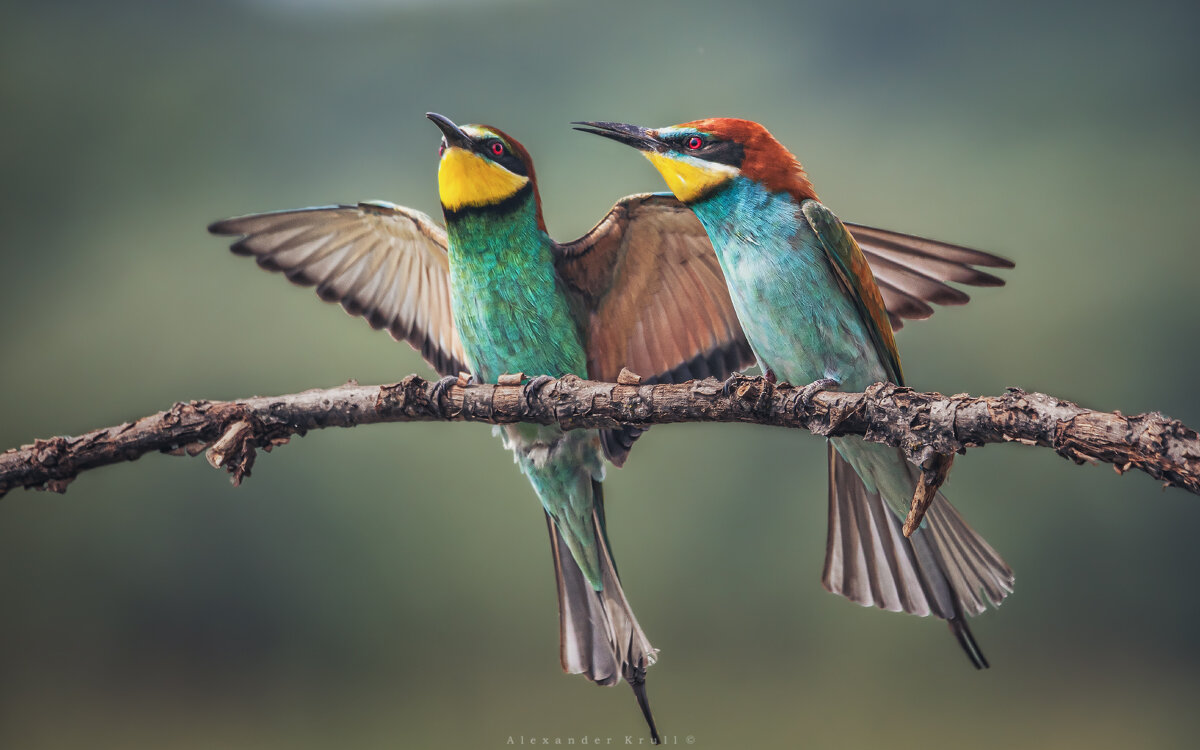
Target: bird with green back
492,293
815,310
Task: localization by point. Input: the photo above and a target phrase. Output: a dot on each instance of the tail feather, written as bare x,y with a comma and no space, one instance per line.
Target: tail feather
638,683
867,558
940,578
978,573
961,632
944,569
600,637
584,646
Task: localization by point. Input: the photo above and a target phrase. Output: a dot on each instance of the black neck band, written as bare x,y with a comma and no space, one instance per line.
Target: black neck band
504,206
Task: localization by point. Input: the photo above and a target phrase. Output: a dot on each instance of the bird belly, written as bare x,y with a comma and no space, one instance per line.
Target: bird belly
796,316
799,320
798,327
512,318
561,466
509,336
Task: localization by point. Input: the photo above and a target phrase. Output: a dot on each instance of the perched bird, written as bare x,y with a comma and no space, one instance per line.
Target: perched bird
493,294
814,309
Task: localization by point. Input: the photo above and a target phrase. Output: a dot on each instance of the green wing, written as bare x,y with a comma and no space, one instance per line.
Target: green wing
855,273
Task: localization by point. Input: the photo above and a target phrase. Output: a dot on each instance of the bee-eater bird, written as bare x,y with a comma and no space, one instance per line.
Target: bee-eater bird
493,294
812,310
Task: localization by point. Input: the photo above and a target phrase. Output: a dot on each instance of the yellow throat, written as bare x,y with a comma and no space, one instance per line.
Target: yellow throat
468,179
689,178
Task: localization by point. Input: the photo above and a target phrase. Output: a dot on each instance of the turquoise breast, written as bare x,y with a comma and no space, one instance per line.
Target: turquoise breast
506,301
796,315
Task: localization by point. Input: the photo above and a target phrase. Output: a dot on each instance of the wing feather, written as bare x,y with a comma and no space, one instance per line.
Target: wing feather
901,305
649,309
654,297
850,264
383,262
912,271
917,250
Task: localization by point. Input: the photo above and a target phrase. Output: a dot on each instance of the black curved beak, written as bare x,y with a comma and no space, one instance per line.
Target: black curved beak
640,138
454,135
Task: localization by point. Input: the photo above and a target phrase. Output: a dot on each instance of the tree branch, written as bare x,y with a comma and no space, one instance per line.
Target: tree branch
927,426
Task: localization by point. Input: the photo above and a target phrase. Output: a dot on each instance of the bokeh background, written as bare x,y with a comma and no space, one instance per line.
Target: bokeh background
390,586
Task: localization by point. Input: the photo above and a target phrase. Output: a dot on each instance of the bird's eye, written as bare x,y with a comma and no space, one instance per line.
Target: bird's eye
441,148
695,142
497,148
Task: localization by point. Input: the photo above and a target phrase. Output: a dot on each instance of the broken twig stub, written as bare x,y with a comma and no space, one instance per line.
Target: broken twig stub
933,475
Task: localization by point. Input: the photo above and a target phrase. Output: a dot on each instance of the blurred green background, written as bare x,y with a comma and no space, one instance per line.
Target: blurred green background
390,586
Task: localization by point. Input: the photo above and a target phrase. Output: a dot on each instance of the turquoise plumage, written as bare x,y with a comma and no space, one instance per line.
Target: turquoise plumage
494,294
809,305
512,313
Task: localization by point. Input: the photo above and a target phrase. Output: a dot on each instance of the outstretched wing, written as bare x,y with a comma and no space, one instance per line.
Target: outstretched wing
912,271
384,262
654,300
850,264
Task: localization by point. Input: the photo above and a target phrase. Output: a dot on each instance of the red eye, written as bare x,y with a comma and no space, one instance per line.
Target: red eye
498,148
694,142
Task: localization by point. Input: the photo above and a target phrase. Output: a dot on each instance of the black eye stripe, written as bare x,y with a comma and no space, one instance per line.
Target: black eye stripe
508,159
720,152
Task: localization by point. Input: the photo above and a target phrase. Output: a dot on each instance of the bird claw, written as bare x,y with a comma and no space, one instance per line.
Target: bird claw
727,387
533,388
441,389
808,392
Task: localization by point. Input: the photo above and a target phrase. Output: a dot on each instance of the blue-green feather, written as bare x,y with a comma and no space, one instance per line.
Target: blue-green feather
513,316
797,316
795,313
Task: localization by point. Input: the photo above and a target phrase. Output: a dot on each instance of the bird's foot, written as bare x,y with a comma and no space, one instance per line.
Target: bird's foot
735,378
731,382
533,388
808,392
441,389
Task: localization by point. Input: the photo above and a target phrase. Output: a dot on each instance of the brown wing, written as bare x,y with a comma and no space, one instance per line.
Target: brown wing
384,262
912,271
656,296
655,299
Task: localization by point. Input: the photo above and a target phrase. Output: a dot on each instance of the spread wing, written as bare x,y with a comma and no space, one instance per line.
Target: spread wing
384,262
851,266
912,271
654,299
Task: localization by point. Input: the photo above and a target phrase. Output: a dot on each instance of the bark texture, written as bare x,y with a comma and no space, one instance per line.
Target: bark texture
927,426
